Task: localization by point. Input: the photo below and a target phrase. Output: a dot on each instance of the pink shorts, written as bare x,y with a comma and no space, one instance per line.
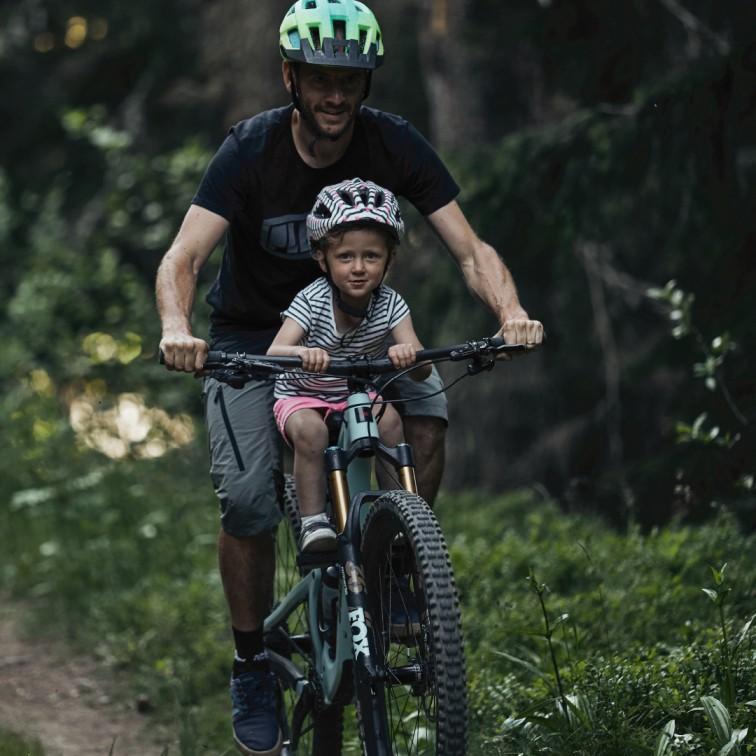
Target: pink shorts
283,409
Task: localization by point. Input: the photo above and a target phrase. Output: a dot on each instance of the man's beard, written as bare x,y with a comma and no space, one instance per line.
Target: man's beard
308,116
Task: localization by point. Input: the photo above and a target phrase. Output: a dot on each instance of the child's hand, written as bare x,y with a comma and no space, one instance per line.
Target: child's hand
402,355
315,359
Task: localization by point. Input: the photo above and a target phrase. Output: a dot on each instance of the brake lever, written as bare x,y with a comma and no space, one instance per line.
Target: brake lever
479,364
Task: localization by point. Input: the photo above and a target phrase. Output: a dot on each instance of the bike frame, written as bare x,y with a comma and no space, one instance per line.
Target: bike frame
348,465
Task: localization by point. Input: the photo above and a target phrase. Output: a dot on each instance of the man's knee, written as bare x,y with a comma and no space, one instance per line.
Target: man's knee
249,504
390,427
427,435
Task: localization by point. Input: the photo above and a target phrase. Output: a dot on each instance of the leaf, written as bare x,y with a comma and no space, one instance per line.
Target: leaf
719,717
553,724
578,708
737,737
559,620
526,664
744,631
718,574
665,739
711,594
698,422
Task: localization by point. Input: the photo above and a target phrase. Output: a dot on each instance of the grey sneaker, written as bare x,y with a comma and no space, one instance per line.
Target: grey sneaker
254,715
317,536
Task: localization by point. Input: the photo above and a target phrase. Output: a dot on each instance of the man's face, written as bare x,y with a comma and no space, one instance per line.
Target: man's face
329,97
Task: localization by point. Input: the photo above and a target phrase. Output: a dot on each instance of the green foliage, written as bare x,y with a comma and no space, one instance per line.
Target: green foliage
125,559
15,745
615,637
587,211
726,436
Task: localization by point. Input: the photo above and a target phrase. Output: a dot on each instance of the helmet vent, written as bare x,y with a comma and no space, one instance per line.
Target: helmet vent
339,29
321,211
315,33
346,198
363,38
379,198
310,4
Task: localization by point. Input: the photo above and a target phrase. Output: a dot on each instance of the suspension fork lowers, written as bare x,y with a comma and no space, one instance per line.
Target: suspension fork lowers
369,677
406,468
336,467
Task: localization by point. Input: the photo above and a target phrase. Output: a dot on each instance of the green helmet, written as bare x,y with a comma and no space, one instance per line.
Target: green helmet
332,33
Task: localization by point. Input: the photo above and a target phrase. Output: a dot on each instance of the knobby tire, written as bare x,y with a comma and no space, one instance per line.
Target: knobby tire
402,541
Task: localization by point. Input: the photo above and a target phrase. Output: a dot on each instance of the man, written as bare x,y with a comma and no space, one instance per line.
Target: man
257,191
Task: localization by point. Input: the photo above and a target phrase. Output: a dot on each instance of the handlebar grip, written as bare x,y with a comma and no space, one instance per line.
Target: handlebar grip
497,341
213,356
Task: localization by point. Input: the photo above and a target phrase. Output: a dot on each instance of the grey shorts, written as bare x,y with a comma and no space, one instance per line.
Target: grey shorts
246,447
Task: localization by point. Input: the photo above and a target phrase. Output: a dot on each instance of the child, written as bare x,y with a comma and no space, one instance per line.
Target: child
354,229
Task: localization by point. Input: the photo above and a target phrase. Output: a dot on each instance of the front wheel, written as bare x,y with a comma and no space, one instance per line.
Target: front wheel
416,622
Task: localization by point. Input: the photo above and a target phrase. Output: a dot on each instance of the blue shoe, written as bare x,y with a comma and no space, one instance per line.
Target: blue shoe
404,616
254,715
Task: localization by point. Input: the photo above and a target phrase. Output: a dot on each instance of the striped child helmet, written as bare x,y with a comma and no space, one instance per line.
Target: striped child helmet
353,201
331,33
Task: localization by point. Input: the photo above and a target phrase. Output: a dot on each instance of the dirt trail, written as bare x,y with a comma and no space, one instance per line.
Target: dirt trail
68,703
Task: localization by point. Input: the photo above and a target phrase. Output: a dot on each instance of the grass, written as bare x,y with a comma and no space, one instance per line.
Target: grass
15,745
124,556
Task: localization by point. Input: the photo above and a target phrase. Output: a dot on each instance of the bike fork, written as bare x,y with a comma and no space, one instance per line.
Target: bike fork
369,678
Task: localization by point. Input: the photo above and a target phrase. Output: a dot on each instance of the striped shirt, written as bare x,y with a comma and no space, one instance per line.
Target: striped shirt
312,309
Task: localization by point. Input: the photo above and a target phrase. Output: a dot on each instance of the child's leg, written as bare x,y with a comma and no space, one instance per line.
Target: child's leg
390,428
308,434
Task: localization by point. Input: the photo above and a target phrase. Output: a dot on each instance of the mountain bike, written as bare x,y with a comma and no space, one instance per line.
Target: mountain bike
376,622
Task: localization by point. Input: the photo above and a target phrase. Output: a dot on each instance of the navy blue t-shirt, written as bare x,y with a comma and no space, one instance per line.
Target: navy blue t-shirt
258,182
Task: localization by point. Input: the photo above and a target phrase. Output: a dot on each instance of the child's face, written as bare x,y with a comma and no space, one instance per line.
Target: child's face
357,263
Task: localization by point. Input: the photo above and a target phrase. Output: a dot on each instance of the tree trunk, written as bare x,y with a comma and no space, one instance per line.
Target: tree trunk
454,92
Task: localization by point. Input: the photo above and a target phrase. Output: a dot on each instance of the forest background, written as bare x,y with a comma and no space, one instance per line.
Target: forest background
606,149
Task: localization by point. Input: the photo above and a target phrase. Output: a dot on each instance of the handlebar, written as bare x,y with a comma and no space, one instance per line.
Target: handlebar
359,366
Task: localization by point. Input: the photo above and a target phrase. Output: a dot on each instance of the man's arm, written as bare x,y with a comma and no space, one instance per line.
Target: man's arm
485,274
176,286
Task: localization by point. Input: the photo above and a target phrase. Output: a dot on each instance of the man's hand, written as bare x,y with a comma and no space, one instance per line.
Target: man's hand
521,330
184,352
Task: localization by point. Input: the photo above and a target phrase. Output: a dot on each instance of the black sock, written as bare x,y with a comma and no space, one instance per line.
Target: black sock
249,645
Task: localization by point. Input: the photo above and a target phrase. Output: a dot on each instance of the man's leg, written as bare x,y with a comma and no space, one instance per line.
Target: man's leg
427,436
245,470
247,566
